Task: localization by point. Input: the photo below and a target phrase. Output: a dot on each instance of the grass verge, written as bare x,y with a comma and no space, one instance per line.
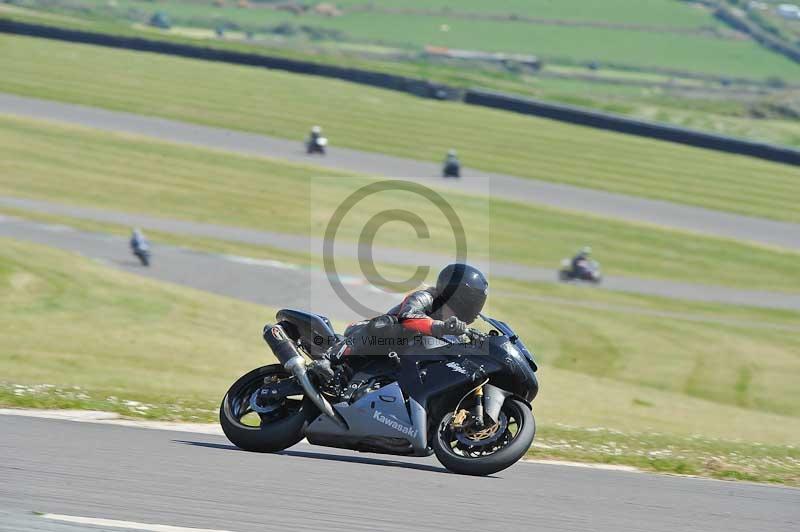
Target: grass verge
693,455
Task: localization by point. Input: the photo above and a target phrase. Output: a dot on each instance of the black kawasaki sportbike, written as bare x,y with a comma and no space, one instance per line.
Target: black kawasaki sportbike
466,399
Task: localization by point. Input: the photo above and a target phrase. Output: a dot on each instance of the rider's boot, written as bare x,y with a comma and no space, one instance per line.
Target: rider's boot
324,367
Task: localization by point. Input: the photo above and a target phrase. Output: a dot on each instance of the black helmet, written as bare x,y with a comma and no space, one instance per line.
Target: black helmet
462,288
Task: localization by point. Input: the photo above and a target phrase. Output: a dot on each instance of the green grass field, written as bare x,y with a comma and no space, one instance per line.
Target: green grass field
149,349
731,108
69,322
729,355
667,13
37,159
762,117
691,53
661,384
664,13
286,105
636,44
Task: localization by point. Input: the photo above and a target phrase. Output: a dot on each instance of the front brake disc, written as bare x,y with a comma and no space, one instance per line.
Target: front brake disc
473,437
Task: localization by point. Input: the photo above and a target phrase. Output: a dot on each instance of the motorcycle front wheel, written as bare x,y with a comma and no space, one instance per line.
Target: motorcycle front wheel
262,429
489,450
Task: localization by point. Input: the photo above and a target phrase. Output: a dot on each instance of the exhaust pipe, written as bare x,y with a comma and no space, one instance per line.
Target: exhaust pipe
288,355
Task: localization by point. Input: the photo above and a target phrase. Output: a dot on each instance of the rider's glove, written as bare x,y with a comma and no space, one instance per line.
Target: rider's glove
452,326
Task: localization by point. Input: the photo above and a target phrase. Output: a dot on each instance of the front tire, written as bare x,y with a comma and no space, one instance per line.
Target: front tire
261,432
502,452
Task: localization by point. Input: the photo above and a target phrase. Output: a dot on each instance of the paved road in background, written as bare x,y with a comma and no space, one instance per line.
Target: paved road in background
201,481
503,186
278,284
270,283
27,230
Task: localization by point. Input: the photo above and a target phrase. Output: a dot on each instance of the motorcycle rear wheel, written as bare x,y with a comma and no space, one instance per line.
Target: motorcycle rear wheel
480,460
267,432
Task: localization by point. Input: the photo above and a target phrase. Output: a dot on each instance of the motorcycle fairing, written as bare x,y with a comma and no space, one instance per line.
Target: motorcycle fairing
394,418
377,421
504,328
313,332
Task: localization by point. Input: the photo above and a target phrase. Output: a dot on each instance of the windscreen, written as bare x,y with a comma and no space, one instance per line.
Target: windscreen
503,328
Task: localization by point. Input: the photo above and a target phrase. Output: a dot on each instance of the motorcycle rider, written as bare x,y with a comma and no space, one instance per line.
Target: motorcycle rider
580,262
314,136
452,165
138,241
443,310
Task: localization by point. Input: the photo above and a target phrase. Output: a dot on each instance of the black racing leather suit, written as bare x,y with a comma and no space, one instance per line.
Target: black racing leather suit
418,313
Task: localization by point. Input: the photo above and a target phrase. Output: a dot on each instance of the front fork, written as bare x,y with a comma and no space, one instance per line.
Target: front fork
488,402
479,406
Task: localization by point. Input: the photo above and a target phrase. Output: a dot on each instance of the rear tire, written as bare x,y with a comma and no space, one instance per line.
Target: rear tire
277,431
498,460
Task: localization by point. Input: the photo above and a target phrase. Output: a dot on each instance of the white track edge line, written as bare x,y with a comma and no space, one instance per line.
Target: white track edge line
130,525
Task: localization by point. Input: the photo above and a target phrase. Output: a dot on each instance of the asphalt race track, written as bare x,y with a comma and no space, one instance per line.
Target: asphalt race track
280,284
201,481
268,283
514,188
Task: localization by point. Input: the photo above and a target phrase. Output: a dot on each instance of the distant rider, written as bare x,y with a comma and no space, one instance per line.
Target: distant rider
444,310
316,134
582,261
452,166
138,241
452,158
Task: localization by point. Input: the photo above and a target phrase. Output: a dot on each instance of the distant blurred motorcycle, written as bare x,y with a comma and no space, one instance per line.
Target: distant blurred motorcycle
140,247
585,270
316,143
451,170
452,166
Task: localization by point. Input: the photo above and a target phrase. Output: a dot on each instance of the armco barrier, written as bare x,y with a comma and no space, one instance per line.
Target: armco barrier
632,126
418,87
